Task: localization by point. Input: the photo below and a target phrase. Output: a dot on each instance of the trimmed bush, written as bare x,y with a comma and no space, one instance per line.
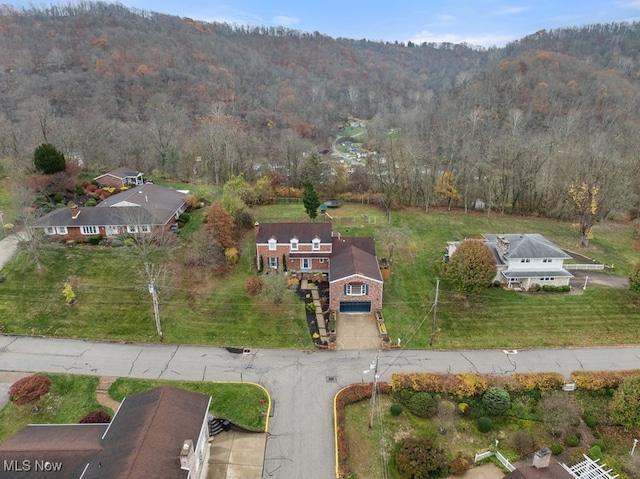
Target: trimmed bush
184,217
590,420
29,390
572,440
420,457
599,443
95,417
484,424
460,465
94,239
422,405
254,286
395,409
91,202
556,449
496,401
595,453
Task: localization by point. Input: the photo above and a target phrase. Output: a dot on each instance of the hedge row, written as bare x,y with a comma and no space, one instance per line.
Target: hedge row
348,395
472,384
594,380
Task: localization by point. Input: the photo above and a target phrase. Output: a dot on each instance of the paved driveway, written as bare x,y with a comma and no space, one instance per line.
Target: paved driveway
597,278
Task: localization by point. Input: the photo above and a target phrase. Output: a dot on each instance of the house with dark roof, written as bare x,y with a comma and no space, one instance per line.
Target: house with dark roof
524,260
355,281
122,176
136,210
158,433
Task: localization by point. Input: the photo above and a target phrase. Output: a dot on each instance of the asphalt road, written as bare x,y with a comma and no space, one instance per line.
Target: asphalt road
302,383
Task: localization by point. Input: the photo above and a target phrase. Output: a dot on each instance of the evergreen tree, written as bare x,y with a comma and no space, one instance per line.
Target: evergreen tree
48,160
310,199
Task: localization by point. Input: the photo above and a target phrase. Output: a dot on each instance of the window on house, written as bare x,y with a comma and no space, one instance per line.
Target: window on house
546,260
294,245
305,263
316,244
272,244
132,229
356,289
50,230
272,262
321,260
89,230
525,260
145,229
61,230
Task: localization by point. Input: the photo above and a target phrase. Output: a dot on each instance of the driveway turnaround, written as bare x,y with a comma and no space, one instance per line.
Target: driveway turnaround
302,384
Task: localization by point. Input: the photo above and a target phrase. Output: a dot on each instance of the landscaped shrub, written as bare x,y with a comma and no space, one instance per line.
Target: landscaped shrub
599,443
460,465
94,239
395,409
184,217
556,449
90,202
572,440
421,404
496,401
29,390
595,453
463,408
484,424
254,286
95,417
58,197
590,420
599,380
420,457
524,442
91,188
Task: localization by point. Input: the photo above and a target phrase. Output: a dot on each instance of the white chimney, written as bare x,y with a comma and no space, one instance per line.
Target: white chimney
542,458
187,457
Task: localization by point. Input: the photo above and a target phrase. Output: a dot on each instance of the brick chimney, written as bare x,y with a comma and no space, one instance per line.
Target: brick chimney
75,211
542,458
502,245
256,228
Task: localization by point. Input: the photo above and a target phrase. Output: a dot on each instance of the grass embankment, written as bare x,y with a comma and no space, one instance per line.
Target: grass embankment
243,404
214,309
68,400
73,396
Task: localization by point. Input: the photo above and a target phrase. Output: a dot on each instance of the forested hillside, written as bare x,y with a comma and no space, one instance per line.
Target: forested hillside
546,125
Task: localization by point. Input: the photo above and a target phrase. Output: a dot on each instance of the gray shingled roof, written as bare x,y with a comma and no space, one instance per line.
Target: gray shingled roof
284,232
161,202
94,216
528,246
120,172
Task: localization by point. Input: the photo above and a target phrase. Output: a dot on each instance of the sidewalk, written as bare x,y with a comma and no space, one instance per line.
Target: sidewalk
8,248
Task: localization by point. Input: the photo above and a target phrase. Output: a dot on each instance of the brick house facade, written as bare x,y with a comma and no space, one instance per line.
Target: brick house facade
355,281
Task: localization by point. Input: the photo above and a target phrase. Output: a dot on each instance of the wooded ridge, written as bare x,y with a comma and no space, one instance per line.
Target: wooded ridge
546,125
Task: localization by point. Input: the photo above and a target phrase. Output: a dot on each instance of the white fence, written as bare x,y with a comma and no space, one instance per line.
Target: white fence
583,266
505,462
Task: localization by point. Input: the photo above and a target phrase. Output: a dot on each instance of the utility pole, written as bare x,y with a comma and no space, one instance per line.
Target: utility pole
374,390
435,309
154,295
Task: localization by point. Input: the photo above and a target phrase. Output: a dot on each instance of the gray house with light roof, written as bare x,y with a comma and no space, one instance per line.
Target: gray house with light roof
523,260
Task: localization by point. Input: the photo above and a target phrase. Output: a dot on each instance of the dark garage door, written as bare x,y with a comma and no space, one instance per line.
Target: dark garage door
355,306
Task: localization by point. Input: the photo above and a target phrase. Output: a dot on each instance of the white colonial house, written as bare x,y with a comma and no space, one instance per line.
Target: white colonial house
524,260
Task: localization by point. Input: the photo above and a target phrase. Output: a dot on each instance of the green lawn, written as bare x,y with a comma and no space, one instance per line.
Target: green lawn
70,398
250,412
207,308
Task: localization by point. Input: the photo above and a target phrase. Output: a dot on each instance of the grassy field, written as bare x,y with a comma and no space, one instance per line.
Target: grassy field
203,308
250,412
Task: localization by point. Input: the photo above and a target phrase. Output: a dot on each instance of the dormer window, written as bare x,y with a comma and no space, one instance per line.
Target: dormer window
316,244
272,244
294,244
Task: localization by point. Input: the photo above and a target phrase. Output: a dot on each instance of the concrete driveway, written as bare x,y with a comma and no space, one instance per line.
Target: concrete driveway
597,279
357,331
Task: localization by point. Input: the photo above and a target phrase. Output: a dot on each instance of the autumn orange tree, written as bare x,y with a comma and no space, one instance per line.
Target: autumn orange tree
446,187
221,225
472,266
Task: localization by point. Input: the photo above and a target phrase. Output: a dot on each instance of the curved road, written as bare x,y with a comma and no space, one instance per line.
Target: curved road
302,383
